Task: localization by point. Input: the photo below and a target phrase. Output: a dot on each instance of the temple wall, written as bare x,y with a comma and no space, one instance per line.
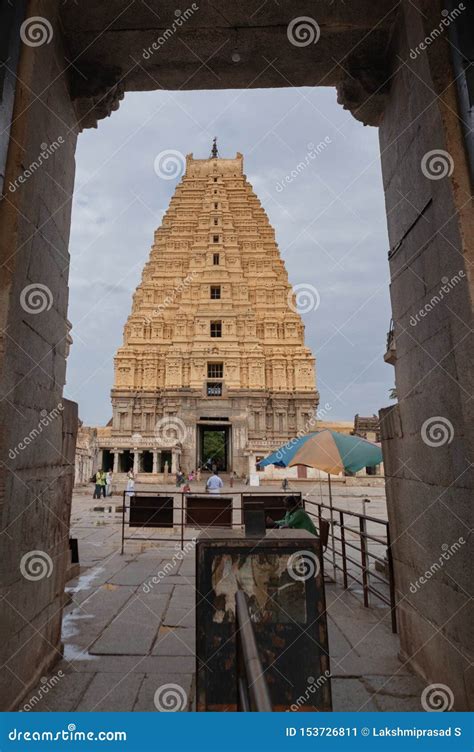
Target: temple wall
38,427
428,437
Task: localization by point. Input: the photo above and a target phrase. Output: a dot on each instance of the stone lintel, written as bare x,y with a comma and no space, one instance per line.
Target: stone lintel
365,86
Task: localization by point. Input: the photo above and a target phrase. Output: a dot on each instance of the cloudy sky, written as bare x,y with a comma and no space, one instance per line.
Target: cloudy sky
329,220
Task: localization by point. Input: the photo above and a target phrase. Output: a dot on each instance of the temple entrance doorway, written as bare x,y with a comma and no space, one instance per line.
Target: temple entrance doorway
214,448
125,461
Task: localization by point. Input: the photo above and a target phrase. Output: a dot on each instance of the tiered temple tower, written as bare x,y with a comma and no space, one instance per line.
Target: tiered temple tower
213,362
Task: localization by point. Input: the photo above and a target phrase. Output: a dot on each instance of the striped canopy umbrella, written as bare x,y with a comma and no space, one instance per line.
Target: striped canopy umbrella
331,452
326,450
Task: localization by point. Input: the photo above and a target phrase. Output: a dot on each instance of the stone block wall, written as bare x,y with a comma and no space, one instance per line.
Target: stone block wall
428,437
38,428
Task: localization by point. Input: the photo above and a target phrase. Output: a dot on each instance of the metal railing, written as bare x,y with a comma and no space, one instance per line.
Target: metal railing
351,552
252,687
179,520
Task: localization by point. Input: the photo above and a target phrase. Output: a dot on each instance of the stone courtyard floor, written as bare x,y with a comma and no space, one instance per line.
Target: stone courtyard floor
123,641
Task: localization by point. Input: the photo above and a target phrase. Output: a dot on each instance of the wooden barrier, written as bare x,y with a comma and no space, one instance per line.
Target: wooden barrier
151,511
208,510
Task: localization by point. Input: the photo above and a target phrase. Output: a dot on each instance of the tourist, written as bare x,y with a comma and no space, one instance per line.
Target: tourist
231,479
295,517
130,483
214,483
285,485
108,483
191,476
98,485
198,475
102,483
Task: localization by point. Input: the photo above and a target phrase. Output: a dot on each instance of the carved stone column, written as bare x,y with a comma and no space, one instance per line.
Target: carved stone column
252,464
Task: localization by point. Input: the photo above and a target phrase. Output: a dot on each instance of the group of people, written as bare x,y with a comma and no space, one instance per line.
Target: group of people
103,484
213,484
183,480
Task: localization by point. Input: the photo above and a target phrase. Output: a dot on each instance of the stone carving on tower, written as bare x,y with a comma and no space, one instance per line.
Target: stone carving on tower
213,333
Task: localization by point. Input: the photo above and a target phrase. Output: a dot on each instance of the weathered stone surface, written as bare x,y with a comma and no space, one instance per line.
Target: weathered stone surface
171,651
135,573
134,629
173,641
62,697
111,690
395,693
235,41
179,617
157,690
429,222
352,696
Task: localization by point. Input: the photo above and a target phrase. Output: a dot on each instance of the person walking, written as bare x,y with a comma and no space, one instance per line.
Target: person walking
103,483
130,483
214,483
108,483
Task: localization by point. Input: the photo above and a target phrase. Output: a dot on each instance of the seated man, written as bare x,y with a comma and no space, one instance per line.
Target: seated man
295,517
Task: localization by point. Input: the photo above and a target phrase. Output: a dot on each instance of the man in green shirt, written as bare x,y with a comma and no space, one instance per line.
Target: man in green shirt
295,517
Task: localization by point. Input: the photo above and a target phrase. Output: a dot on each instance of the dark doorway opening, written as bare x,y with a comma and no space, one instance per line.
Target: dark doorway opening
147,462
125,461
107,460
165,458
214,448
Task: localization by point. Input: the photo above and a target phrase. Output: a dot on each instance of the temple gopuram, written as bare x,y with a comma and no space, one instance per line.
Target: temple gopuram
213,370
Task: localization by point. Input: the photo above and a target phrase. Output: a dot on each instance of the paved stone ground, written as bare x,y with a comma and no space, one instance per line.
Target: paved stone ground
123,641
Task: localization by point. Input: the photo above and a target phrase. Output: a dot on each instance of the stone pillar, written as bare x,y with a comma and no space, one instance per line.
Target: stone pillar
427,437
136,459
155,462
174,460
252,465
116,461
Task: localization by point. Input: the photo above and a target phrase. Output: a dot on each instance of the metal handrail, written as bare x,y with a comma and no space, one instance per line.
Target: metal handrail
345,511
252,685
362,566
